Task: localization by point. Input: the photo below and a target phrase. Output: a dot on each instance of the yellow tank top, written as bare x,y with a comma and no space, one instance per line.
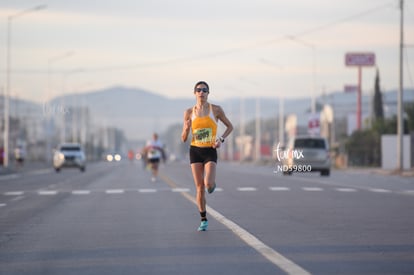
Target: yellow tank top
204,129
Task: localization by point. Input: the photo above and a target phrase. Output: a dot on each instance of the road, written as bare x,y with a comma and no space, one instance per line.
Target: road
113,220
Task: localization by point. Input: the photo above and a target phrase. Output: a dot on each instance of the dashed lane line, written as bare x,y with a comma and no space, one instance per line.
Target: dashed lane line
279,188
47,192
312,189
246,189
147,190
13,193
379,190
408,192
269,253
180,190
375,190
40,172
9,177
115,191
81,192
18,198
345,189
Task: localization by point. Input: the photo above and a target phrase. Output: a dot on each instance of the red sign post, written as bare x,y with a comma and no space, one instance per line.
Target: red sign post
359,60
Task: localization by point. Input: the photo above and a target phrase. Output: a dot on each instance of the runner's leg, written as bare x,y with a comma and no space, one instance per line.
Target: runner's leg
198,171
210,176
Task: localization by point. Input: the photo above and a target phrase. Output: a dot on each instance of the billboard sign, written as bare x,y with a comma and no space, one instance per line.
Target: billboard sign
360,59
314,124
351,88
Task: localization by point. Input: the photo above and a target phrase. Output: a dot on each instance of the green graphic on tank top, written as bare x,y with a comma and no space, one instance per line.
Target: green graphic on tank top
203,135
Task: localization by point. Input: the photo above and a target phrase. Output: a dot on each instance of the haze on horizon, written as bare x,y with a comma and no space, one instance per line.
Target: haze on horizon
242,48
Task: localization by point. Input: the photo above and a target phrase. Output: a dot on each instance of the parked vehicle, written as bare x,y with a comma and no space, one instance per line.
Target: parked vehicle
69,155
307,154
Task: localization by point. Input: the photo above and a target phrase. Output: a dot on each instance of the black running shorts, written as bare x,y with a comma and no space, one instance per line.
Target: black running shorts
154,160
202,154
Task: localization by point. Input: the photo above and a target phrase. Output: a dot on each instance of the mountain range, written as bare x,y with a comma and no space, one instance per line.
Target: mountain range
139,112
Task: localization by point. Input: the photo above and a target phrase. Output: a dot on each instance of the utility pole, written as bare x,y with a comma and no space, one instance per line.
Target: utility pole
258,137
10,19
400,118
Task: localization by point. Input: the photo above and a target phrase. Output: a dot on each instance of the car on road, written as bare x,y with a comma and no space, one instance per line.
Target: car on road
69,155
307,154
113,157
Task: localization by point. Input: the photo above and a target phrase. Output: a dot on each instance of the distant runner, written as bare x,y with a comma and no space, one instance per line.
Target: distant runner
154,152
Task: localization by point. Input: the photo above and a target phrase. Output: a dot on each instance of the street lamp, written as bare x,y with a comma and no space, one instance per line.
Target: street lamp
400,119
49,110
49,68
311,46
8,82
281,104
258,136
64,80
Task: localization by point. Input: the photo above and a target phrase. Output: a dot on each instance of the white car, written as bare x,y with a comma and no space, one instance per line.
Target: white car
307,154
69,155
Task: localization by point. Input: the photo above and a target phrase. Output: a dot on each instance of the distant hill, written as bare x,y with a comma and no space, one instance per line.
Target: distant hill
138,112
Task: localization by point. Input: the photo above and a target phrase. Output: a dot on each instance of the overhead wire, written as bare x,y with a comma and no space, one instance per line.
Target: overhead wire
180,60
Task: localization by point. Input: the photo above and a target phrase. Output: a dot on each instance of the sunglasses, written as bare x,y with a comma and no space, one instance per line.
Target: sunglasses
199,90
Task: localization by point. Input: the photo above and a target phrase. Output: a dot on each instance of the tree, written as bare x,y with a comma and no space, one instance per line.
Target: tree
378,108
409,111
364,148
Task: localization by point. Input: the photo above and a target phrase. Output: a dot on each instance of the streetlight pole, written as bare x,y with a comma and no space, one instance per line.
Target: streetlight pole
8,81
49,69
280,123
311,46
400,118
48,111
63,108
258,136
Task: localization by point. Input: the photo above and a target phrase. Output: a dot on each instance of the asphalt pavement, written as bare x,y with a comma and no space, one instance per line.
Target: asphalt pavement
113,220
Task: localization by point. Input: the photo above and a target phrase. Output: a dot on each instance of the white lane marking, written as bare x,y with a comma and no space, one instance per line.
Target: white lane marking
2,204
379,190
40,172
47,192
148,190
272,255
17,198
312,189
81,192
278,188
14,193
180,190
346,189
9,177
115,191
408,192
246,189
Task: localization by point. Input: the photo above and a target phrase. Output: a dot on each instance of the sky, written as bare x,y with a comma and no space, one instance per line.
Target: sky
267,48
